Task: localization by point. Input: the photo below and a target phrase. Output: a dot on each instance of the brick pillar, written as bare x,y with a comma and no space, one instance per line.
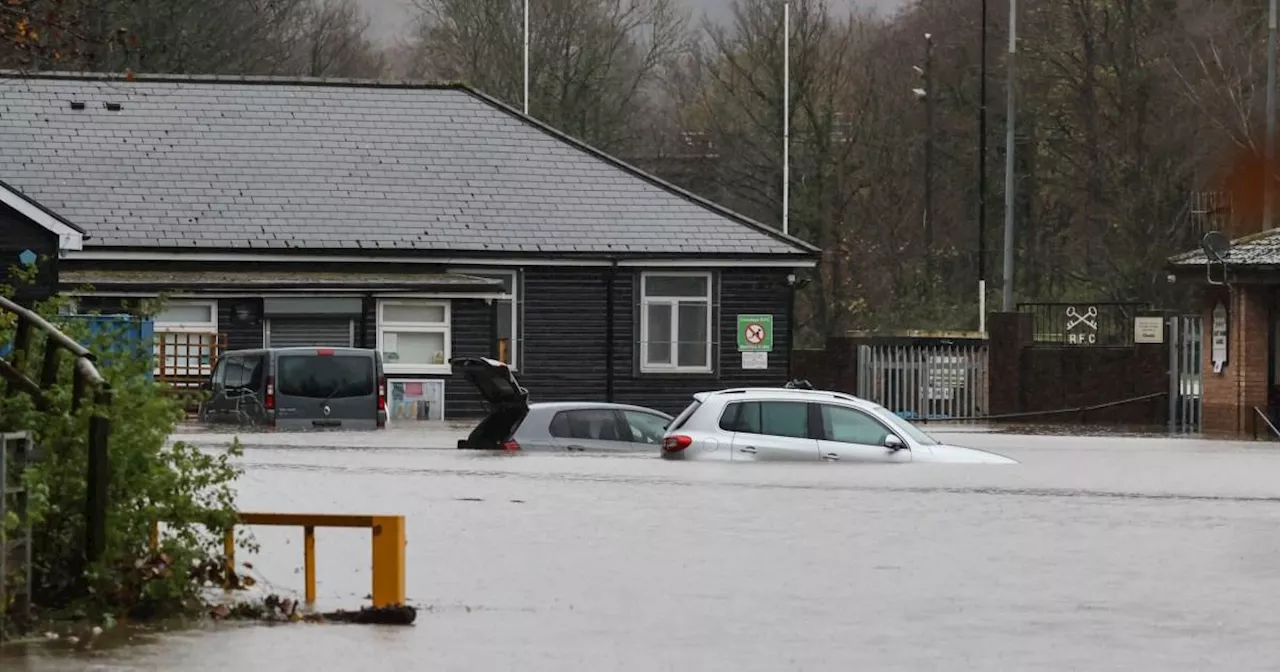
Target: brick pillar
1008,334
1231,395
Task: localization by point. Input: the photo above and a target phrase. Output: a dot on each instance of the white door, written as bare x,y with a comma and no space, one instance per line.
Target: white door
770,430
848,434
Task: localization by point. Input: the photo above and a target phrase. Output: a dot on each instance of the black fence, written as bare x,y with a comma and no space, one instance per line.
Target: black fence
1084,324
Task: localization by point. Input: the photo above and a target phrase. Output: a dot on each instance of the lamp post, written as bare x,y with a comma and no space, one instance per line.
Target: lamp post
786,117
1009,142
526,57
1268,173
982,180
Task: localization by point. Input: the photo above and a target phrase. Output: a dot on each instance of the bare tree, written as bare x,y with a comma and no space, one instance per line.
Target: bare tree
333,42
594,64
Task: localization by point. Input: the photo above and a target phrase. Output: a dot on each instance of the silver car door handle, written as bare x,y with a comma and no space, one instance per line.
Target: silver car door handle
577,448
748,449
831,457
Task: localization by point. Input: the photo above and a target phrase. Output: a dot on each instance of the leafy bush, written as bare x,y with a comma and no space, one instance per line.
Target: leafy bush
190,490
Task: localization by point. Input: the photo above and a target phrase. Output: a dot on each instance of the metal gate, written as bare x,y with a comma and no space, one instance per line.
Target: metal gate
287,332
925,381
1186,349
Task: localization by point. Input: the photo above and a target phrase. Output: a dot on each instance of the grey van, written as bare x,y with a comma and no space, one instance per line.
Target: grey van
298,388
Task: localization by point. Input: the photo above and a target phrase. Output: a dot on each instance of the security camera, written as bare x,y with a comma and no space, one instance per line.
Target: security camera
1171,278
920,93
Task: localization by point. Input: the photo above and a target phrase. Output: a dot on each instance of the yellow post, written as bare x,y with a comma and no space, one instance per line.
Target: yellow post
229,549
388,561
155,536
309,561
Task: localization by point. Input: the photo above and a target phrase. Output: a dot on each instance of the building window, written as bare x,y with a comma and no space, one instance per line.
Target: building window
415,399
675,322
187,343
414,336
508,345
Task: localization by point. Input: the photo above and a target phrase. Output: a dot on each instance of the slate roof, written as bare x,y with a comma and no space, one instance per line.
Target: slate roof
259,163
1258,249
276,280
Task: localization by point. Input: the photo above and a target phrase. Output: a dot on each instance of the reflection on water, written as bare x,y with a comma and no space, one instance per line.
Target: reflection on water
1122,554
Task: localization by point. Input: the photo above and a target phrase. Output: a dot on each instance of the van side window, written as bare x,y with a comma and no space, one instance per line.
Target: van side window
772,418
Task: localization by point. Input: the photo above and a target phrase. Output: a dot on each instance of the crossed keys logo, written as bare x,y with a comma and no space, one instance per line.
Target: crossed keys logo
1090,318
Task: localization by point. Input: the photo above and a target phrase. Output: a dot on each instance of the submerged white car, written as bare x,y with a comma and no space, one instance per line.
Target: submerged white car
755,424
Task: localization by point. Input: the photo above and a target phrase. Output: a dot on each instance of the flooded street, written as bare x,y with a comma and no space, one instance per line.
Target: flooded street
1093,553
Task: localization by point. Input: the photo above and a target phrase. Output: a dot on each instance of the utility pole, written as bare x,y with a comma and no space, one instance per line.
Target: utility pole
1010,179
982,181
1268,173
526,57
928,163
786,116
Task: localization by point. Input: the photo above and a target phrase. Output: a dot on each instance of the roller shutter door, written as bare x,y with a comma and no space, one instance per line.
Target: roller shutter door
288,332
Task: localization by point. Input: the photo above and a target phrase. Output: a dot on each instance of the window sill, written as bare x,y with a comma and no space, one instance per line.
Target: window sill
417,369
650,371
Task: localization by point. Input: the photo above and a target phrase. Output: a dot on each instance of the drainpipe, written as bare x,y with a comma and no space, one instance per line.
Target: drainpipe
791,325
366,302
493,329
608,330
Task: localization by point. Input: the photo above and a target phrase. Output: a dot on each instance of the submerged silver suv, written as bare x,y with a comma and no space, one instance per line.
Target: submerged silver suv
755,424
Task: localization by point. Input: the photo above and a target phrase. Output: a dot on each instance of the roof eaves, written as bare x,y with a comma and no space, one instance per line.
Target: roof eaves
805,247
70,236
118,77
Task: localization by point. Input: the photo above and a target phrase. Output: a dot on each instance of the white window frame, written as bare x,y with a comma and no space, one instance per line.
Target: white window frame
513,297
445,328
209,328
647,300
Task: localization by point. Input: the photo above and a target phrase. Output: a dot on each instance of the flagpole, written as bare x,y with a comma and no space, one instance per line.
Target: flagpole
526,57
786,116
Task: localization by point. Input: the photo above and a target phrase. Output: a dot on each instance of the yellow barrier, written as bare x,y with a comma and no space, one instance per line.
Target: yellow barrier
387,548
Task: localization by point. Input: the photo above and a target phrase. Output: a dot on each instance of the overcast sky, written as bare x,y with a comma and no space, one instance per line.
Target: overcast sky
389,18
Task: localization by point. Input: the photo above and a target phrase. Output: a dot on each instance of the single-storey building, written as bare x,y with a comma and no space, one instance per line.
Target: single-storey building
1240,364
426,221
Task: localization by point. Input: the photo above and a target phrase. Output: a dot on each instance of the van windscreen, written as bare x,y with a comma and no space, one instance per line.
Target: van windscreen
325,376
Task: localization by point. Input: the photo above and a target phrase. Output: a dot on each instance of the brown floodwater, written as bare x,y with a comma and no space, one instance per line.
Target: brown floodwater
1098,553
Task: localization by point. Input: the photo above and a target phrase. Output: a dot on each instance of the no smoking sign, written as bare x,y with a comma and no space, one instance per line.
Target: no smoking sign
755,333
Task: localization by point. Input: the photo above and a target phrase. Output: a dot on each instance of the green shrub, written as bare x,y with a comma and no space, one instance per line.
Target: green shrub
190,490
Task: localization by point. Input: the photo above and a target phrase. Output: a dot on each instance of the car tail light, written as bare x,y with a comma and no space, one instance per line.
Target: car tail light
511,445
324,351
382,393
270,401
675,444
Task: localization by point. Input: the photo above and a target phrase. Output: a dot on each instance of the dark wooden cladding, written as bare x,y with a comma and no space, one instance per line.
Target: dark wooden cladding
565,331
472,337
17,235
241,321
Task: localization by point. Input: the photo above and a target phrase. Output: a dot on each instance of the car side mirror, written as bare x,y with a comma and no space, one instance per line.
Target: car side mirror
892,442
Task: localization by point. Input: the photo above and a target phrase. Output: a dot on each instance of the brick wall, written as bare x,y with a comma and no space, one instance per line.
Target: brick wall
1231,395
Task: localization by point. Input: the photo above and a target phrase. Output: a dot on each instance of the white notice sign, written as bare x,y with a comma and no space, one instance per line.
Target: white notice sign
755,360
1148,330
1219,333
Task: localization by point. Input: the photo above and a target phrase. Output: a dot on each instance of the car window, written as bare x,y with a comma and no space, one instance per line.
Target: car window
242,373
849,425
325,376
645,427
593,424
773,418
219,373
684,416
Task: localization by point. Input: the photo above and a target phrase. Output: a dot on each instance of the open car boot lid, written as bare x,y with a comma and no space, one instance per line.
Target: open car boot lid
493,379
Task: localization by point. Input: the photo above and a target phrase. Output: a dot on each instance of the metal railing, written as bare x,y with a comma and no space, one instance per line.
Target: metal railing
925,381
388,543
1098,324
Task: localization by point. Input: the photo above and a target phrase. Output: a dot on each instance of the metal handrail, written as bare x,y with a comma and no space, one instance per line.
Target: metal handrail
1259,413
